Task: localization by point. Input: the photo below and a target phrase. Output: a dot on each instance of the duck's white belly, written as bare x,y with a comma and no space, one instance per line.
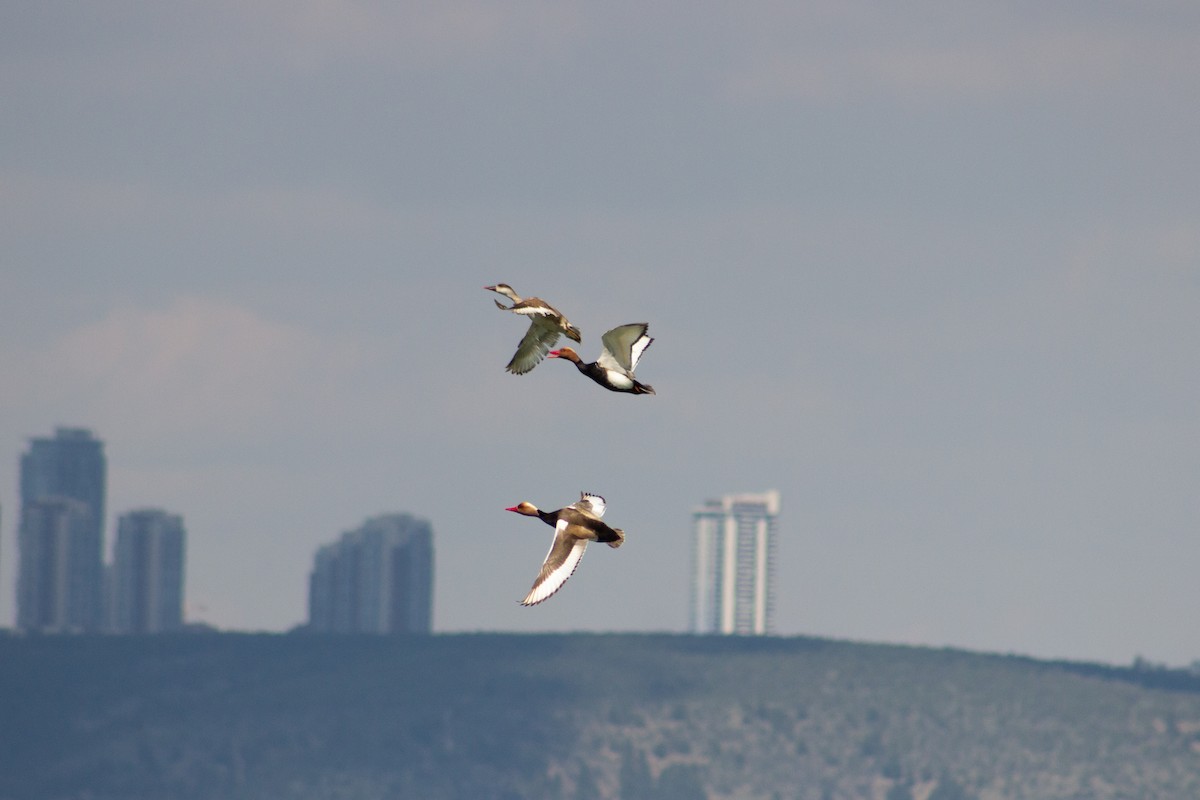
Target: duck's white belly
619,379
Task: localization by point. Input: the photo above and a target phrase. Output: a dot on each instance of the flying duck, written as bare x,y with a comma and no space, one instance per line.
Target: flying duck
623,348
574,526
545,325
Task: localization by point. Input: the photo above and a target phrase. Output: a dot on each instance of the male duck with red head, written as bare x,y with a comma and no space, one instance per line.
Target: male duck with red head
574,526
623,348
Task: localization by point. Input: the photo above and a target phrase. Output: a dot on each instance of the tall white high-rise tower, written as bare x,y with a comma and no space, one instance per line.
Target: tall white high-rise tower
733,557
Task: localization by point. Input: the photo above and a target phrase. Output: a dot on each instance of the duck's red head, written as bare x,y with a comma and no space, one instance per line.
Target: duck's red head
565,352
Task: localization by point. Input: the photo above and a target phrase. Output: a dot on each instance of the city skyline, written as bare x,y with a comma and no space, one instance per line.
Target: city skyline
930,271
377,578
66,582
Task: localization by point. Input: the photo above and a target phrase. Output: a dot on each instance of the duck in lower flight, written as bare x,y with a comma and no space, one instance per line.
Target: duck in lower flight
546,323
623,348
574,526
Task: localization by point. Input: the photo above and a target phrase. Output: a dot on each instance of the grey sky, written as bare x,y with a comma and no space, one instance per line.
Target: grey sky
933,272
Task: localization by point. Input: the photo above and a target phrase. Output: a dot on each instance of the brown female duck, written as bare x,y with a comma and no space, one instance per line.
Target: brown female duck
546,323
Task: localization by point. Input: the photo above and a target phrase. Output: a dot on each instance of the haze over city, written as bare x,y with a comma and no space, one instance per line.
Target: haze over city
932,273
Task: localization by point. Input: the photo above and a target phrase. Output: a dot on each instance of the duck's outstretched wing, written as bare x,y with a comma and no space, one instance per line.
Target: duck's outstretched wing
560,564
624,345
590,503
542,334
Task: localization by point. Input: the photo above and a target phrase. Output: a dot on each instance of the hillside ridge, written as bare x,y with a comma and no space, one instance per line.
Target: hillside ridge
489,715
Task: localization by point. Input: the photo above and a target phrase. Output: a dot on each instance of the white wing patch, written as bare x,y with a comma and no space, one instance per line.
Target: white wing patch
535,311
592,504
611,364
639,347
560,564
623,346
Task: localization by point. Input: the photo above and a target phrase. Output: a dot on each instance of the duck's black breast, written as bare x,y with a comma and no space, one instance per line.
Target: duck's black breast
599,374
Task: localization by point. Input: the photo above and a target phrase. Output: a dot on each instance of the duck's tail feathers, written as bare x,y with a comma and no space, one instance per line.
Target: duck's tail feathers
620,538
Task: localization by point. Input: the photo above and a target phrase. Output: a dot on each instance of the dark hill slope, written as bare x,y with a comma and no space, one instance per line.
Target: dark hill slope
629,716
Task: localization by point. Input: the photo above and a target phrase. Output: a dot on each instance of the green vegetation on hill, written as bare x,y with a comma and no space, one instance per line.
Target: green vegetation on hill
299,717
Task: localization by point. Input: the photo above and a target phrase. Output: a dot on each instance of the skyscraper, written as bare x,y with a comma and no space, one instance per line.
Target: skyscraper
376,579
62,543
733,559
58,586
69,465
146,591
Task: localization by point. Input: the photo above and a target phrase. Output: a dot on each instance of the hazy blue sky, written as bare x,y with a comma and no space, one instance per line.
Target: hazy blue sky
930,269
